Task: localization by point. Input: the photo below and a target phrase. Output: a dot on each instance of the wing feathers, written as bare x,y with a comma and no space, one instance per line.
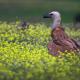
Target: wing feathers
61,42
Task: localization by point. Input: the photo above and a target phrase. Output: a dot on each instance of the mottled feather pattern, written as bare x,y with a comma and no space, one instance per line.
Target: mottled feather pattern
61,42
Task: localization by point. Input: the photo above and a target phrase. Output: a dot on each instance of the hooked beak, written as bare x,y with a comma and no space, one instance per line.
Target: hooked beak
47,16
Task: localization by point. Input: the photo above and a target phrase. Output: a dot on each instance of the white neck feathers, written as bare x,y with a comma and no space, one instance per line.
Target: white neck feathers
56,20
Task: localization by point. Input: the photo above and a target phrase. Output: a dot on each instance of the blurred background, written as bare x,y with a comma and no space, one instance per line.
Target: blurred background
33,10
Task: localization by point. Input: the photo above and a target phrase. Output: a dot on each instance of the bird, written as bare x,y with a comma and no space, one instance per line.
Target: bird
76,21
60,42
23,24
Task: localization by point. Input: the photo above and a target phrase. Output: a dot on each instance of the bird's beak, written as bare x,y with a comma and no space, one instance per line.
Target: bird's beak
47,16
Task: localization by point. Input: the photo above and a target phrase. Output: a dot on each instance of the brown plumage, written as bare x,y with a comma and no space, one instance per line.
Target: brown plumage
61,42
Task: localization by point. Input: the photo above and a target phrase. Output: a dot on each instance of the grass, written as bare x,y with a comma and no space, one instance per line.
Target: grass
24,55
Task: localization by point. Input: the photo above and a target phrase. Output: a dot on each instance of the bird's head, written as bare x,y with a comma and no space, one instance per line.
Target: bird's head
53,14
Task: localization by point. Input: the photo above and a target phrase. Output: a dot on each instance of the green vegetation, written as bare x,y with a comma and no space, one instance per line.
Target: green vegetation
24,55
33,10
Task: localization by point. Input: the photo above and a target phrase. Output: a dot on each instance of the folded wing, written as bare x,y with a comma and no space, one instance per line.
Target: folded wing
61,42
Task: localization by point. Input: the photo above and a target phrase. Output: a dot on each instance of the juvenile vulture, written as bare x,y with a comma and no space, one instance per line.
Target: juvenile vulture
61,42
23,25
77,21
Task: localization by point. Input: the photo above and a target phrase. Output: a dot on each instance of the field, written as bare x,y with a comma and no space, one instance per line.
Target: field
24,54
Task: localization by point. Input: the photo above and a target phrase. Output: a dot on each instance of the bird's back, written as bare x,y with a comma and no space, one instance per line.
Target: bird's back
61,41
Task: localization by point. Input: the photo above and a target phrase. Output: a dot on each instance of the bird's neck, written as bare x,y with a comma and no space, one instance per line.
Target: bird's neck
56,22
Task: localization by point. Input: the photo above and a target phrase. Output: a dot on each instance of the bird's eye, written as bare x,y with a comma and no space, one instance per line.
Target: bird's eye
51,14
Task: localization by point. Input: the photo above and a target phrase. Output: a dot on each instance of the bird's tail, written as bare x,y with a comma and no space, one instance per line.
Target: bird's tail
77,43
